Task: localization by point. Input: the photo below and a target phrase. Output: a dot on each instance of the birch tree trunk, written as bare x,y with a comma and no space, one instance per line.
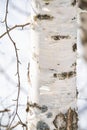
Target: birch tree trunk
52,91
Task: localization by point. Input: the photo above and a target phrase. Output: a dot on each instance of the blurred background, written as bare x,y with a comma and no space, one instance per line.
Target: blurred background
18,13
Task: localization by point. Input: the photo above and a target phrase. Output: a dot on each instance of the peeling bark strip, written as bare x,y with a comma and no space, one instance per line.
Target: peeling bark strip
60,121
72,120
67,121
50,64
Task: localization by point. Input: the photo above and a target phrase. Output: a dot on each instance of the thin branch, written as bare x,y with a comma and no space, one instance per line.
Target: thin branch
17,59
18,123
8,30
14,27
5,110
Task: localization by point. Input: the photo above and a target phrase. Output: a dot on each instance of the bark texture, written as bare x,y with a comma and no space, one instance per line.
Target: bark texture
52,93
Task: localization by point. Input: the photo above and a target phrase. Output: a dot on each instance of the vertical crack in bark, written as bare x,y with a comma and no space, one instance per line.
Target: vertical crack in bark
69,119
72,120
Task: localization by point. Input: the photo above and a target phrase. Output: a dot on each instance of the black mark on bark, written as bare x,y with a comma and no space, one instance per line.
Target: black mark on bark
43,17
55,75
47,3
73,18
58,37
65,75
74,47
74,64
43,108
73,2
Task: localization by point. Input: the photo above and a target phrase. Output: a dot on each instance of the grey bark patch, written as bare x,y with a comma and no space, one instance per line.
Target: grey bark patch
44,108
58,37
42,126
49,115
43,17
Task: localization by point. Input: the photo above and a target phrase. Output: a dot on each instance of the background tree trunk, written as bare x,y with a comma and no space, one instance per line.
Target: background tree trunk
52,91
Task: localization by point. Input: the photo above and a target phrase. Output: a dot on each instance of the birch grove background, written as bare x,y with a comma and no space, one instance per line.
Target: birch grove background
19,15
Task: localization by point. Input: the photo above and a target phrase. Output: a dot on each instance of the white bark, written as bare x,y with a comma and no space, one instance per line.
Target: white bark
52,66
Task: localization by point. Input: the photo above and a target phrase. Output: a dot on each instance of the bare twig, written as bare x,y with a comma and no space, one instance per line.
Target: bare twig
17,59
14,27
15,114
18,123
5,110
14,126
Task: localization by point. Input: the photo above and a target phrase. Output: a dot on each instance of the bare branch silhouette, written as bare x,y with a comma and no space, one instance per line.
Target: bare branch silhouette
15,113
14,27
